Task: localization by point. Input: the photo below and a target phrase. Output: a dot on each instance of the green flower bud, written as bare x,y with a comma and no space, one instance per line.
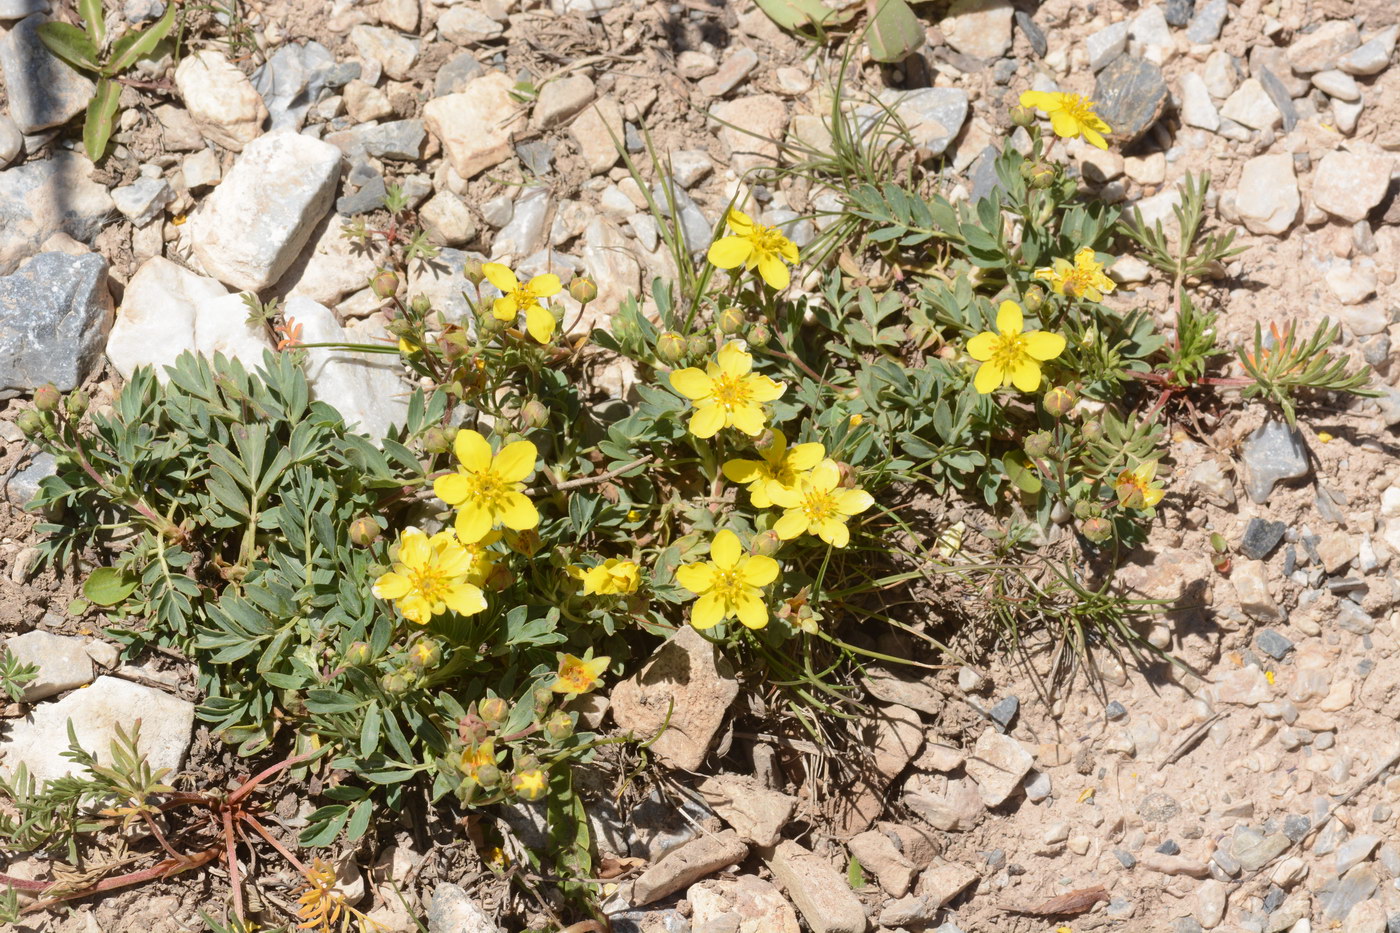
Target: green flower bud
364,531
1034,299
670,347
30,422
1059,402
1084,509
527,541
529,784
421,305
493,710
1097,529
543,696
490,325
472,272
559,726
1040,444
47,397
472,729
765,543
439,440
77,403
1091,430
385,284
731,321
699,345
500,578
533,414
358,654
583,289
1022,116
759,335
396,684
425,653
488,775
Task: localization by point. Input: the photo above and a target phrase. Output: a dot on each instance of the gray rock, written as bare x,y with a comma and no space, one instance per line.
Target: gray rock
11,141
682,867
23,486
1005,712
1035,36
1336,84
1279,95
1352,618
368,195
1273,453
1355,851
1341,894
452,910
43,91
731,74
980,28
54,317
63,663
933,115
1296,827
1273,644
1125,858
983,173
1106,45
1131,95
1169,847
1372,56
819,893
366,388
537,155
400,140
39,739
456,74
1206,24
1261,537
1254,850
1158,807
18,9
141,11
525,233
141,201
1320,49
1178,12
1115,711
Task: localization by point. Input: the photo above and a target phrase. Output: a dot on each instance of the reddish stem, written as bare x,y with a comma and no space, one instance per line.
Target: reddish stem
234,881
262,831
162,870
252,783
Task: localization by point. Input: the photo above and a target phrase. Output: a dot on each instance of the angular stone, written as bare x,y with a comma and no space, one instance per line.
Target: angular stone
1261,537
1206,24
43,91
933,115
448,219
687,681
1372,56
1339,896
329,267
598,132
1131,94
225,106
752,129
1320,49
756,813
1267,197
1211,899
452,910
474,125
1197,107
398,140
63,663
368,389
1348,184
463,25
686,865
1273,453
40,739
1337,84
250,230
1252,106
295,77
1255,850
1367,917
1273,644
981,28
892,738
142,200
161,311
746,904
562,99
1106,44
1281,98
366,103
1355,851
398,54
1033,33
45,197
731,74
55,313
877,854
998,764
1251,581
943,881
959,809
11,140
821,895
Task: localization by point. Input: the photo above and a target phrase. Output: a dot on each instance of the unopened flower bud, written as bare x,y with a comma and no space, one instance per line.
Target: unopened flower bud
358,654
47,397
759,335
543,696
472,271
670,347
1042,177
731,321
1022,116
76,403
699,345
527,541
395,684
559,726
421,305
472,729
1091,430
1084,509
529,784
426,654
385,284
765,543
490,325
848,474
364,531
1034,299
30,422
1059,402
500,579
583,289
493,710
1097,529
533,414
438,440
488,775
1039,444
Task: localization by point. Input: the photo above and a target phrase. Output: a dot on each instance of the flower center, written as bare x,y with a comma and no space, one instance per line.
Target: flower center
1009,351
728,586
1078,107
819,507
524,297
577,679
767,239
486,490
430,583
730,392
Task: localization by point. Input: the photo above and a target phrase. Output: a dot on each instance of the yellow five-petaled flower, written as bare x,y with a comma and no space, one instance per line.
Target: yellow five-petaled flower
429,577
1084,278
753,245
1070,115
1012,356
486,489
1137,488
726,393
523,296
611,577
729,584
779,468
817,505
579,675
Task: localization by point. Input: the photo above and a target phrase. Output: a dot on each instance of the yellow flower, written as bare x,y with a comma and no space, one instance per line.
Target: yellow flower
579,675
430,577
1084,279
754,245
729,584
818,505
486,489
1137,488
779,469
320,905
726,393
609,578
1070,115
528,784
483,561
518,297
1012,356
476,757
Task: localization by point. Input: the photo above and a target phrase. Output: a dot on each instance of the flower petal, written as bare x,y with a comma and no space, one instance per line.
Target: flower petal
759,571
1042,100
542,286
1025,375
793,524
751,610
805,456
834,533
989,378
539,323
505,308
1093,136
707,612
725,550
472,524
452,488
785,497
729,252
1009,319
698,577
1064,124
825,476
500,276
473,451
706,421
771,268
519,512
853,501
1044,345
982,346
741,471
691,382
391,586
738,221
465,599
515,461
764,389
749,419
733,360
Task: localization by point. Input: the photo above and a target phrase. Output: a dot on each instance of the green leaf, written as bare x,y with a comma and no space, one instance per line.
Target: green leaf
139,43
855,875
108,586
1021,473
895,32
324,825
794,15
96,24
329,701
101,117
71,44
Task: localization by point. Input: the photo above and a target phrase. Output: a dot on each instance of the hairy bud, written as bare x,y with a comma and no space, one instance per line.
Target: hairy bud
493,710
731,321
1097,529
385,284
559,726
583,289
670,347
1059,402
358,654
364,531
47,397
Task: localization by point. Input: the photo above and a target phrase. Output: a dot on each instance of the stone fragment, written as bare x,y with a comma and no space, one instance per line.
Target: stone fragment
55,313
752,128
1106,44
11,140
1255,850
746,904
474,125
1251,581
294,77
1197,108
161,310
1273,644
1372,56
1320,49
1206,24
1355,851
463,25
686,681
731,74
448,219
142,200
1348,184
1267,197
525,233
893,738
1252,106
1173,864
18,9
250,230
909,912
329,267
1131,94
821,895
43,91
1367,917
686,865
368,389
756,813
1337,84
366,103
1211,899
63,662
45,197
877,854
224,104
1273,453
981,28
452,910
39,740
598,132
1339,896
201,169
943,881
398,54
1261,537
998,765
562,99
1288,113
933,115
607,255
958,809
